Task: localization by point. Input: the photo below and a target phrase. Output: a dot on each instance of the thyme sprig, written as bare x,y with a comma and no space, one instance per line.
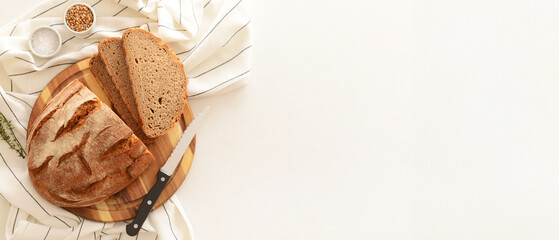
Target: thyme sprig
8,135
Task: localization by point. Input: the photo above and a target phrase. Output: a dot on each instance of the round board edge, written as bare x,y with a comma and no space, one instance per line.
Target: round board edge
80,70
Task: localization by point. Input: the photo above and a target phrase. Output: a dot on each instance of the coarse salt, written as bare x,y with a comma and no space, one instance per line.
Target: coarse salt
44,41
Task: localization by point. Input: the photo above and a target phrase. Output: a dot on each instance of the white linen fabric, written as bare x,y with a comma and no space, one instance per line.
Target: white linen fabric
211,38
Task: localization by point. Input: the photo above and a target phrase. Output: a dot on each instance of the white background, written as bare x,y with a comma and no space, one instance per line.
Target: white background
384,120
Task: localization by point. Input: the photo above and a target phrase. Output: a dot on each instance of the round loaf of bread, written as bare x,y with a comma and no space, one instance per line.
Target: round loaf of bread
80,152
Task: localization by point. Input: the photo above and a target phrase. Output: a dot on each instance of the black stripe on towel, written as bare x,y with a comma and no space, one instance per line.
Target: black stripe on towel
236,33
15,221
23,59
200,93
49,9
217,24
13,112
35,92
170,224
180,12
183,52
5,199
96,3
47,233
26,103
91,44
120,11
19,74
194,15
13,30
56,65
20,183
223,62
80,231
110,31
68,40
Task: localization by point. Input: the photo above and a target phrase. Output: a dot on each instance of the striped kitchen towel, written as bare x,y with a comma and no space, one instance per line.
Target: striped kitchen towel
211,38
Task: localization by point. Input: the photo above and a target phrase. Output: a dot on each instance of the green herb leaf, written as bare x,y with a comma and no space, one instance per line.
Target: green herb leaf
8,135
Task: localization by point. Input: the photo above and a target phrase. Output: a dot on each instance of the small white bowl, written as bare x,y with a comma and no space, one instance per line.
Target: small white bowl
48,32
86,32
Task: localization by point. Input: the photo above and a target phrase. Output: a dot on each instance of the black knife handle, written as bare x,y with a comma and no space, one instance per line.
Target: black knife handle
147,204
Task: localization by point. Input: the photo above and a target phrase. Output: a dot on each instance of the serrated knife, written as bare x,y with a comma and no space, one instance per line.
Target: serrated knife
165,173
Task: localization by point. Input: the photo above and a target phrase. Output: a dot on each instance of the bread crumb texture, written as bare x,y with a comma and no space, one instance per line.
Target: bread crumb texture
158,81
98,69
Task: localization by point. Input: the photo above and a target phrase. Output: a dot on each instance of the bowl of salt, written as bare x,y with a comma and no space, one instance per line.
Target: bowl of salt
45,42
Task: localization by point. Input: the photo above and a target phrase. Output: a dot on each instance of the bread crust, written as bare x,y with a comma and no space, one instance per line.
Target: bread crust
80,152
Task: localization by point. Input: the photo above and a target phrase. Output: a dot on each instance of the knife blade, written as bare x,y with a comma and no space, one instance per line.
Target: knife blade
165,173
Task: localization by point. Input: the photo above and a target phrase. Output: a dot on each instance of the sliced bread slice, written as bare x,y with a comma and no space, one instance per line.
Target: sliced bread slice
98,69
158,81
112,53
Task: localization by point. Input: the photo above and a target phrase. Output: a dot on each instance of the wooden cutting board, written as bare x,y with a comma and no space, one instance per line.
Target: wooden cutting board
124,204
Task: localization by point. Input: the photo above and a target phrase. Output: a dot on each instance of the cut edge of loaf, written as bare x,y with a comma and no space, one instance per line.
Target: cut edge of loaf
119,105
130,103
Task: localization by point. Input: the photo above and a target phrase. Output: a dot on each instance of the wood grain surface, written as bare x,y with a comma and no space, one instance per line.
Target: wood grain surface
124,204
